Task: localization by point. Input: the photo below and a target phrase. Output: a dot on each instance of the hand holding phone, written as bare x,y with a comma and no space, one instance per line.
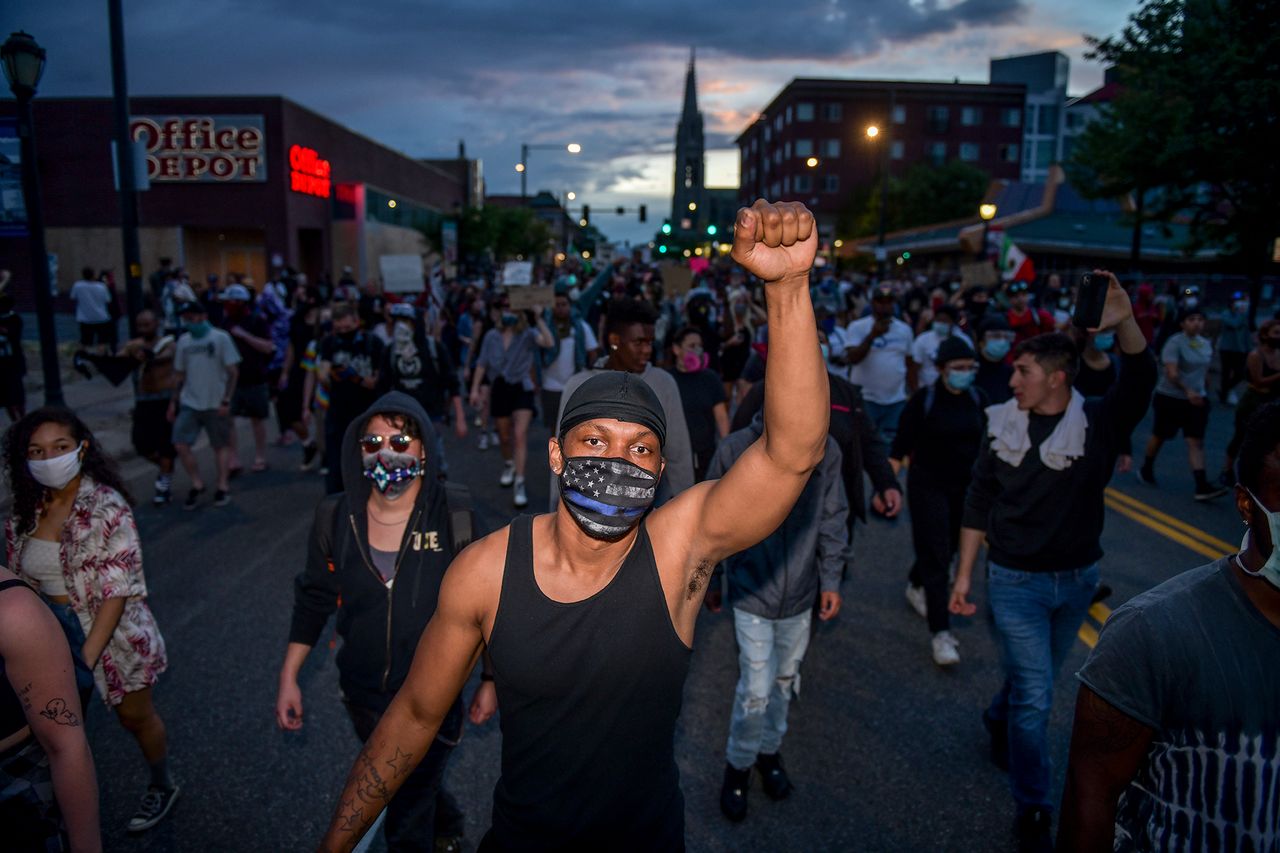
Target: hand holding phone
1090,301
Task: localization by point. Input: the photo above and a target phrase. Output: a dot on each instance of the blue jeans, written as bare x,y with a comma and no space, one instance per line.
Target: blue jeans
885,417
1036,617
769,656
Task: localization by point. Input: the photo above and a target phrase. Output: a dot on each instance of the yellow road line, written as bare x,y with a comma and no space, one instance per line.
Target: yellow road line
1175,523
1100,612
1089,634
1213,553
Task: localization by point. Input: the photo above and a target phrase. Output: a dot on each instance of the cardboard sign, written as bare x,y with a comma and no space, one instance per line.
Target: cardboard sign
980,274
401,273
535,298
518,273
677,279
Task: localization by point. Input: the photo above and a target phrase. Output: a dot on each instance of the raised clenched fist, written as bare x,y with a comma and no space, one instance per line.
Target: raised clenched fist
775,241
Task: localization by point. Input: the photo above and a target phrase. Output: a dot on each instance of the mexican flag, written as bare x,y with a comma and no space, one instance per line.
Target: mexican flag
1014,263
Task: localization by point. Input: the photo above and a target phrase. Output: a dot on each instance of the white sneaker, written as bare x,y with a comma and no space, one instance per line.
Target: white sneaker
520,499
484,441
915,597
945,649
508,475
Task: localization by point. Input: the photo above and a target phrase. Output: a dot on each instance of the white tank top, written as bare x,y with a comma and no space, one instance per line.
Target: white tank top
42,563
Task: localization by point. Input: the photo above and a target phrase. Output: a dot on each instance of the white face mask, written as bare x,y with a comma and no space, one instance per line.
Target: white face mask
403,333
56,472
1270,570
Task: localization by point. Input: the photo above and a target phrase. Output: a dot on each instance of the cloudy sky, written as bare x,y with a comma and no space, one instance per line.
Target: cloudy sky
419,75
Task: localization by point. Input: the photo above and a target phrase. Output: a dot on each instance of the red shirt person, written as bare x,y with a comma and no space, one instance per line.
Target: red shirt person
1026,322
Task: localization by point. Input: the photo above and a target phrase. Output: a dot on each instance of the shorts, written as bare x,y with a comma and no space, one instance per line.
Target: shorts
251,401
152,432
187,426
100,333
1173,414
507,398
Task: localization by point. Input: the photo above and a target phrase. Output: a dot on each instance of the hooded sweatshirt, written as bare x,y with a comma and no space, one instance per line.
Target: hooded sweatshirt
380,624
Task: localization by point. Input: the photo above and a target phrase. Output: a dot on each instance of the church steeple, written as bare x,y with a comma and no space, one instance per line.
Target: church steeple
690,155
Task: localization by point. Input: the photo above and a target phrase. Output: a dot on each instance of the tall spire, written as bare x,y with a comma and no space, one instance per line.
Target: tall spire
691,87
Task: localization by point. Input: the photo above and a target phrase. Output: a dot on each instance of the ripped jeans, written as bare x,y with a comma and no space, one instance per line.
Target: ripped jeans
769,656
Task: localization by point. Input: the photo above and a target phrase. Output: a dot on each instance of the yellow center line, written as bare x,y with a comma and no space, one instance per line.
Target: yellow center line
1168,520
1213,553
1101,612
1089,634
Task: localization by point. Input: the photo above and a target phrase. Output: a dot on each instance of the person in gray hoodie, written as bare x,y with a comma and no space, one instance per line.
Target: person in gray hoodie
773,587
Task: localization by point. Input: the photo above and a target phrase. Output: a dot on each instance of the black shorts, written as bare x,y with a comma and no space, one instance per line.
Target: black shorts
506,398
1173,414
98,333
152,432
251,401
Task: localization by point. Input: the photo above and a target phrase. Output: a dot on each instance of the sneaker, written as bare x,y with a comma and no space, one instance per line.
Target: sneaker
1032,829
945,649
493,438
193,499
508,475
478,422
483,443
324,471
773,779
221,498
520,499
156,803
915,597
1146,475
999,731
448,844
81,364
309,454
733,793
161,497
1211,492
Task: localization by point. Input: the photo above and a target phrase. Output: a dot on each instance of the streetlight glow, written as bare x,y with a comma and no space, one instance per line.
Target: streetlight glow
519,167
987,211
812,162
586,255
872,131
582,223
693,205
391,202
573,148
838,243
572,196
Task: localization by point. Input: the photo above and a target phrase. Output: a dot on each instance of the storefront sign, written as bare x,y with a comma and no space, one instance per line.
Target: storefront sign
307,172
202,149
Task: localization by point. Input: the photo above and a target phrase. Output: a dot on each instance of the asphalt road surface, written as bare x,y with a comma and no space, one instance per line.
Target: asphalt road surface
886,751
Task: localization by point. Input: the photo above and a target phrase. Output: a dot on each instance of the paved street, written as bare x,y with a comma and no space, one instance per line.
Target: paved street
887,751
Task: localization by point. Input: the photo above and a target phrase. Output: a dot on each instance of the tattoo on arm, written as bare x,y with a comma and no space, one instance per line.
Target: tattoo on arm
699,579
57,711
401,764
1106,728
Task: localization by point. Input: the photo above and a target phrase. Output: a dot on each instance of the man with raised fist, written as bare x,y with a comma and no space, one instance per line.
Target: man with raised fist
587,613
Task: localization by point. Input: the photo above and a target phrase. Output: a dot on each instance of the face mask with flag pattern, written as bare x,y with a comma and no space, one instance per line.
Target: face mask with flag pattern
607,497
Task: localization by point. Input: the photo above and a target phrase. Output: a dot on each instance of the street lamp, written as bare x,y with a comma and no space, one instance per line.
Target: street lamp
988,213
872,131
812,162
572,195
523,166
874,134
23,61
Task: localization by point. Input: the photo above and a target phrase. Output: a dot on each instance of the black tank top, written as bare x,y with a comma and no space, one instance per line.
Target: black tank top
589,694
12,718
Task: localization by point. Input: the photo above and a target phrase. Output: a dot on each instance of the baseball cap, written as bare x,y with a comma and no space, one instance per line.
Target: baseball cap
236,293
883,291
191,308
402,309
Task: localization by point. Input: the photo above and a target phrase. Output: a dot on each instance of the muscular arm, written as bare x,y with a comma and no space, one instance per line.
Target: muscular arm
39,668
1107,750
445,657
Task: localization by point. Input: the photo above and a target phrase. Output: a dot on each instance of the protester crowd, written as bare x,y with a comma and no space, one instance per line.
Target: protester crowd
1008,419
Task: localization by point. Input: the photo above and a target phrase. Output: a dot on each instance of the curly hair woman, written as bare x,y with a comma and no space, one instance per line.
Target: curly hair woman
73,537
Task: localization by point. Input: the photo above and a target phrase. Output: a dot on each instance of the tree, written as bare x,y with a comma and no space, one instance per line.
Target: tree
924,195
1198,119
500,233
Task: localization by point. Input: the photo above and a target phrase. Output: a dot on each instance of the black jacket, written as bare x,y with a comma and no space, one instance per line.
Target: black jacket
379,626
861,446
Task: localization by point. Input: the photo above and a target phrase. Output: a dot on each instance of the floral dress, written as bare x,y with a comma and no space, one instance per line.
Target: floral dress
101,559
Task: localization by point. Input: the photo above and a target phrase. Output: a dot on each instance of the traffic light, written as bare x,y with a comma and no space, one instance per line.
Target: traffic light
662,250
711,231
906,256
666,228
644,213
586,213
621,211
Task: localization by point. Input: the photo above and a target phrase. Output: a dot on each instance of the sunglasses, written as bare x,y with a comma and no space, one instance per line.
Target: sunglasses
1018,288
373,443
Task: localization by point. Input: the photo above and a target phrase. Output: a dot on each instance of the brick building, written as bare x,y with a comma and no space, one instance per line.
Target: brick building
810,143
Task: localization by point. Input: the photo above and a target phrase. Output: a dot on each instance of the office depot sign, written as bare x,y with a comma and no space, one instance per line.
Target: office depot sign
202,149
308,173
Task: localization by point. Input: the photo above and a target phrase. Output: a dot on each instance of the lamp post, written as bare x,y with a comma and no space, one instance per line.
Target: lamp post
523,166
124,168
988,213
875,134
23,61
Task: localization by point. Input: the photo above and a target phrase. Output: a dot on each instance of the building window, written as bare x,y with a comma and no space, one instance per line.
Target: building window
831,148
1045,153
938,153
753,145
788,115
804,112
1030,124
777,189
1011,117
786,184
786,150
1073,120
768,134
804,183
777,156
804,148
969,152
939,119
831,183
1049,119
777,123
971,116
1008,153
896,149
834,112
899,114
